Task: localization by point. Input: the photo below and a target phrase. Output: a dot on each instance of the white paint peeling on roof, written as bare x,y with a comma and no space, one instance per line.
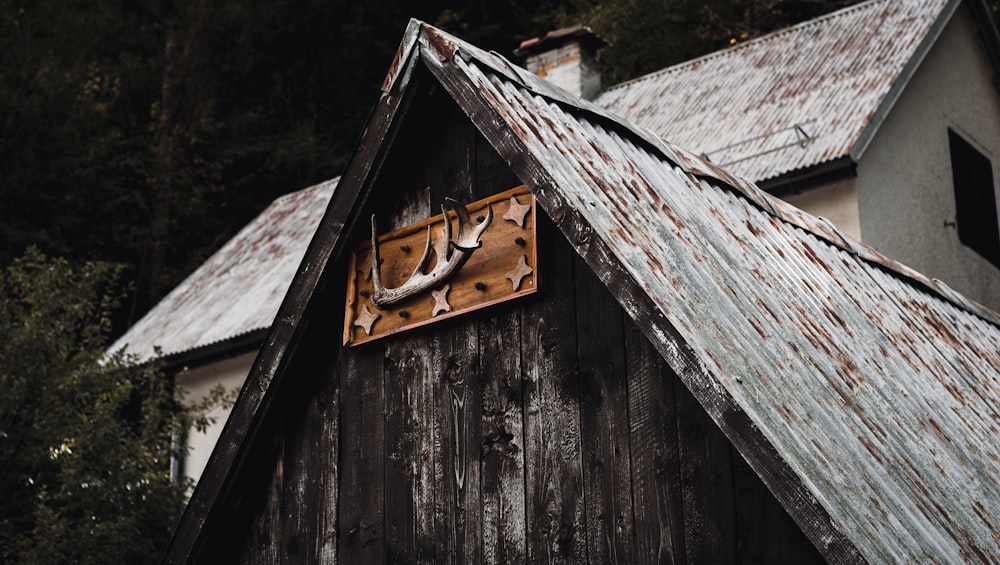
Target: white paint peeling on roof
879,393
789,100
239,288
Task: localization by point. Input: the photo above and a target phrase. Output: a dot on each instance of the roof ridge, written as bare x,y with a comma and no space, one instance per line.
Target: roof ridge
755,41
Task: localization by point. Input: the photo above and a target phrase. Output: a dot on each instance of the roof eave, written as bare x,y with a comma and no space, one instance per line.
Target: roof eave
243,343
803,179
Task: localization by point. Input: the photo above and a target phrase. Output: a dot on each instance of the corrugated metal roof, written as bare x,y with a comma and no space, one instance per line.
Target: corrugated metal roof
791,99
239,288
722,96
877,387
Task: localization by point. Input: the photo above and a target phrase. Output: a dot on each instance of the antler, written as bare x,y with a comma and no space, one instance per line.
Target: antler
451,255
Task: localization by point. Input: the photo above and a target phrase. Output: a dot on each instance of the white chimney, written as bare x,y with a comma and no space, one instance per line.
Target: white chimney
566,57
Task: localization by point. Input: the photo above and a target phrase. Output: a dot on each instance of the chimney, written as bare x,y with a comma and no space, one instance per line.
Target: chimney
566,57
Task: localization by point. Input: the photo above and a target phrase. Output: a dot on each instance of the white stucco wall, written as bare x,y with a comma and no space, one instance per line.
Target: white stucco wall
836,201
905,188
197,383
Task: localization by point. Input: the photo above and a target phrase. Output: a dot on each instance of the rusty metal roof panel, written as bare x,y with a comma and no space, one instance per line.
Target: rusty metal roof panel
877,390
791,99
239,288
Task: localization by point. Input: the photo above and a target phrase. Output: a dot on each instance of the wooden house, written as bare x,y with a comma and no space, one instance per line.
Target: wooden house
616,352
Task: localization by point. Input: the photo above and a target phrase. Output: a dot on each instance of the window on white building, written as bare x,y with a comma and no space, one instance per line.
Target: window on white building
975,198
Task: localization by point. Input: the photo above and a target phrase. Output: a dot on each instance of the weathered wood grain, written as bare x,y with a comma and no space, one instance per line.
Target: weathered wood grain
409,436
706,484
604,419
554,478
454,351
328,447
457,504
767,534
262,545
362,456
502,438
659,517
300,490
409,427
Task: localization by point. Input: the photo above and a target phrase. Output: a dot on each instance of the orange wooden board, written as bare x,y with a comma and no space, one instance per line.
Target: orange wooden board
507,254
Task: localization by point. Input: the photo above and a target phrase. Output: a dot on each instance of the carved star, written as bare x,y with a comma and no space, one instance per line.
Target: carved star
441,300
519,272
517,212
366,319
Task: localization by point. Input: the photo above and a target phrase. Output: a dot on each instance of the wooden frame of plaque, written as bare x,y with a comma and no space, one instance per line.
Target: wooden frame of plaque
503,268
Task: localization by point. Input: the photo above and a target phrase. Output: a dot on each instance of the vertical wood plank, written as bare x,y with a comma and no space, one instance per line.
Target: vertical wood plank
409,434
554,481
329,453
502,441
659,519
454,354
603,420
767,534
328,447
706,483
493,175
262,545
410,422
457,493
300,484
502,428
362,463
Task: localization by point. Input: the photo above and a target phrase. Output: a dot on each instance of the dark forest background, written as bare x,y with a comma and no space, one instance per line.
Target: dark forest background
147,132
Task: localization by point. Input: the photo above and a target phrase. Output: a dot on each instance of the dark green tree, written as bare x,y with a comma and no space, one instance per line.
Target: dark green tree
86,438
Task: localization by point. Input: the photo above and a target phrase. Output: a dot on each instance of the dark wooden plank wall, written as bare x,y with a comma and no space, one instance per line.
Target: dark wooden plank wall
544,430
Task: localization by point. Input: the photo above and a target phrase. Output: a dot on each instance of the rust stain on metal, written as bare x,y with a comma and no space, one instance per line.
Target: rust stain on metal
443,47
792,99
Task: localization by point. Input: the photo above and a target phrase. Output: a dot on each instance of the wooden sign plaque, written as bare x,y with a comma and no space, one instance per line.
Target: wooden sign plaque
501,269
